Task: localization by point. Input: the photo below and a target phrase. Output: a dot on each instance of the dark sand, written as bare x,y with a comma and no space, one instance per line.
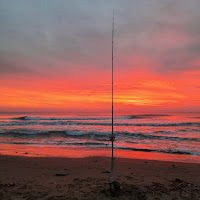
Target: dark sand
88,178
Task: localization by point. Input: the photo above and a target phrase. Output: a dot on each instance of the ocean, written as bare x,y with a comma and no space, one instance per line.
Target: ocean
170,137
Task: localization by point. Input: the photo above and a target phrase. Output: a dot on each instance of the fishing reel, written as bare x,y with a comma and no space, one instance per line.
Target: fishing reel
112,138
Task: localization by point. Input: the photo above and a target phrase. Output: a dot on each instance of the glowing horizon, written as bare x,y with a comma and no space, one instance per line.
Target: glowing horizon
62,59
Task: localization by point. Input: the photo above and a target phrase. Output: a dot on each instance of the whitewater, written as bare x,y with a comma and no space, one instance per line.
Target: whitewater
176,134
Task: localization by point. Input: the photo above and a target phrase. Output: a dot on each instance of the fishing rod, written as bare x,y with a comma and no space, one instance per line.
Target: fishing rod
112,137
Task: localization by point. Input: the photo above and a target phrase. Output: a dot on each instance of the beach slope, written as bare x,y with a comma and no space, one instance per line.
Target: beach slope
88,178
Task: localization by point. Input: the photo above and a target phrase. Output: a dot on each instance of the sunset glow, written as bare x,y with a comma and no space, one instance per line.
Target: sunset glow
62,60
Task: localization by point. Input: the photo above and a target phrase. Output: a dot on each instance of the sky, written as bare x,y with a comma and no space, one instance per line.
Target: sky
56,55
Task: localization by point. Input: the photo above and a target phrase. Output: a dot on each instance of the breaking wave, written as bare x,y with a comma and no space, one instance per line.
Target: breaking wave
146,116
168,134
92,135
89,118
65,118
71,122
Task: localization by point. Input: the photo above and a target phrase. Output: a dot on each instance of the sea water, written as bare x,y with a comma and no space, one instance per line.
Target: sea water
160,136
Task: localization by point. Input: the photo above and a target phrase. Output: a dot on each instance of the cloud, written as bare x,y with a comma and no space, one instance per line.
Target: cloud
11,66
164,31
66,31
78,33
65,46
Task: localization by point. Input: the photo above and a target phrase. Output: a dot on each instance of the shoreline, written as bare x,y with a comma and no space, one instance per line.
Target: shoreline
88,178
83,152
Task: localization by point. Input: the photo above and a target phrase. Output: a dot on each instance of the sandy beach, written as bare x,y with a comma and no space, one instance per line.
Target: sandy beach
88,178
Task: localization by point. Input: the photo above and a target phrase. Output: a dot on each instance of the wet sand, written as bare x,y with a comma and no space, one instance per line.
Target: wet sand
88,178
